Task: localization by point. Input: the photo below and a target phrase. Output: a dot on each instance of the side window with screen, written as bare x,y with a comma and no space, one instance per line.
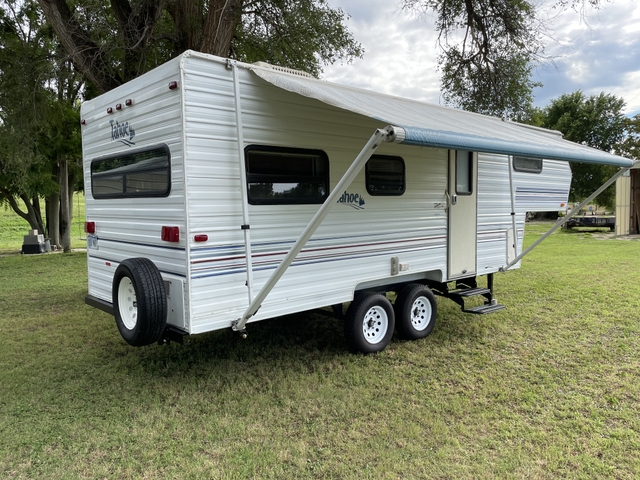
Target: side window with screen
385,175
141,173
278,175
527,164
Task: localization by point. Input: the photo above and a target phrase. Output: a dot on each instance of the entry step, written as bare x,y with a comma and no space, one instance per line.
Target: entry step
484,309
470,292
468,288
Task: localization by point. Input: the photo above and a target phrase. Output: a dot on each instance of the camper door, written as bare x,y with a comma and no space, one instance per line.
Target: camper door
463,213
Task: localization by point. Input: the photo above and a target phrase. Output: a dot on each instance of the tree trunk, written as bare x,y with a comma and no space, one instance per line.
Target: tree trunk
53,218
65,222
88,57
223,16
31,215
71,183
35,202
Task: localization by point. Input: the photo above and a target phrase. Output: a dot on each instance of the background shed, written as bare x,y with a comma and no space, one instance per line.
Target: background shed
628,202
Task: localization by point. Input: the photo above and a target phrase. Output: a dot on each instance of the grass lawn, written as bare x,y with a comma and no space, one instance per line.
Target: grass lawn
548,388
13,228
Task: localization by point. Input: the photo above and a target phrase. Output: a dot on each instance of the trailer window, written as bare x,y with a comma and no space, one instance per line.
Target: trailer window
464,172
385,175
278,176
142,173
527,164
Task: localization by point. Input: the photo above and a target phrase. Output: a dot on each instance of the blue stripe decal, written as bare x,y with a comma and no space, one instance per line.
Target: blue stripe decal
166,247
115,261
541,194
313,262
240,246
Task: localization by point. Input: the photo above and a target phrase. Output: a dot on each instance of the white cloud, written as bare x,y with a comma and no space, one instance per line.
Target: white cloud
400,52
595,53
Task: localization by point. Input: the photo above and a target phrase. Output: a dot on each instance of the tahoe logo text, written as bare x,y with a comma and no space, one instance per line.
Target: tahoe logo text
122,132
354,200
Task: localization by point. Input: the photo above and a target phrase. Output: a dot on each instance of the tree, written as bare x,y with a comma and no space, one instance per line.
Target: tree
39,121
489,48
596,121
630,147
116,41
23,70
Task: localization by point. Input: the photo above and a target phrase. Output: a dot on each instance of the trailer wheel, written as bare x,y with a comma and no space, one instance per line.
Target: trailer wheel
139,301
416,311
369,323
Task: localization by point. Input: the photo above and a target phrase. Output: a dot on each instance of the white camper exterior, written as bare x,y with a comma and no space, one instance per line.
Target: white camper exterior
205,174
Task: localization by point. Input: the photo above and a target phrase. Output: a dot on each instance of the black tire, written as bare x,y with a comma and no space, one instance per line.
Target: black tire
364,326
139,301
416,311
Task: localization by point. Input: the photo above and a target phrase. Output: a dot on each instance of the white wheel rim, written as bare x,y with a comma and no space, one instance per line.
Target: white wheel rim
375,324
421,312
127,303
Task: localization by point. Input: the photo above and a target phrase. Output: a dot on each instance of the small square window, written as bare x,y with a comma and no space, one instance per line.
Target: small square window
527,164
385,175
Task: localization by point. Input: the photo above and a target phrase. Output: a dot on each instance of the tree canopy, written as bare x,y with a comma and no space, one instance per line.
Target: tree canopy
52,51
489,48
114,41
630,146
597,121
39,121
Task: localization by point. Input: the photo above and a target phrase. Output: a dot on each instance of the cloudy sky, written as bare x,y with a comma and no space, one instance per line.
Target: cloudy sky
598,53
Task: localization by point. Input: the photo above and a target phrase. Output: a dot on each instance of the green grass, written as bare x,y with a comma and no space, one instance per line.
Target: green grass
13,227
547,388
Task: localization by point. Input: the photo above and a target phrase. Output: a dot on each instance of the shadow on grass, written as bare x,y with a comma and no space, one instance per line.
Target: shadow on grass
304,342
582,230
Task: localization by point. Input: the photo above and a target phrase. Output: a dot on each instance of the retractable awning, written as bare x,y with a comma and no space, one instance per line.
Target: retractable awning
442,127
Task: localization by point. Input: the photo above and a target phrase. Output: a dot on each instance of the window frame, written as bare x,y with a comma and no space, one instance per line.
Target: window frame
125,194
283,178
404,176
525,169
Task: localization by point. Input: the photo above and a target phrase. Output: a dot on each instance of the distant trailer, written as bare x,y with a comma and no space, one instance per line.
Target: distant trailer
593,221
220,193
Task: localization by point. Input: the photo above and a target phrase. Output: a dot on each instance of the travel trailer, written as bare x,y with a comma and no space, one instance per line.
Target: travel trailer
220,193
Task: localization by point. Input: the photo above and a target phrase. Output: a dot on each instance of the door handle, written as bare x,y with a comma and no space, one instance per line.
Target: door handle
451,199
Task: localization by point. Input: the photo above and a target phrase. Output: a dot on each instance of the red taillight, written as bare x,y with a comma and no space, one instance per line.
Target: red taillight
90,227
118,106
83,122
128,102
109,110
173,85
201,238
171,234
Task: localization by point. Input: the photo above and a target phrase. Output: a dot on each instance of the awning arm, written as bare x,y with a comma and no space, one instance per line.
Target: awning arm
388,134
233,65
513,206
561,221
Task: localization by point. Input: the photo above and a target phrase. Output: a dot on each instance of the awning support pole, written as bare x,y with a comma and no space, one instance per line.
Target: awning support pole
561,221
231,64
513,206
387,134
